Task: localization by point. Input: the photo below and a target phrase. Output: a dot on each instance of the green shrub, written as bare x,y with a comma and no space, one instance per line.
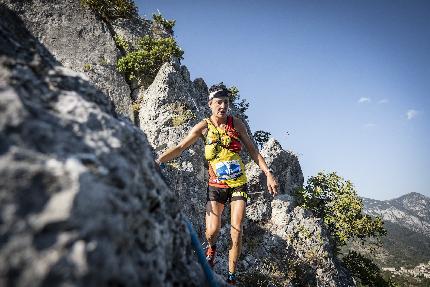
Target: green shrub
240,104
166,24
112,9
181,114
365,271
261,137
144,62
335,200
182,118
121,42
88,67
234,93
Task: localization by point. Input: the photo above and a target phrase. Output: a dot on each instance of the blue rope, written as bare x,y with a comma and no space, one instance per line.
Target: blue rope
196,244
200,254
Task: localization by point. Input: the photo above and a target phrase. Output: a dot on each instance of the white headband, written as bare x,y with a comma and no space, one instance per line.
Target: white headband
212,94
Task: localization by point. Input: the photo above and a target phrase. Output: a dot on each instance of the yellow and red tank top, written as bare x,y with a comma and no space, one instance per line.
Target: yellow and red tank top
222,147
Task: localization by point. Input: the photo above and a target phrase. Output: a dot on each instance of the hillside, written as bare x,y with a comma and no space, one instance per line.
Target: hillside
407,220
411,211
405,250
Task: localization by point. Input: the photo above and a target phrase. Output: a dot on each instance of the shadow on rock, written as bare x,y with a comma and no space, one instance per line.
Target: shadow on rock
81,200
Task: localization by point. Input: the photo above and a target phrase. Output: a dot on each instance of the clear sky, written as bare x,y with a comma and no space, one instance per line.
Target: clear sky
343,84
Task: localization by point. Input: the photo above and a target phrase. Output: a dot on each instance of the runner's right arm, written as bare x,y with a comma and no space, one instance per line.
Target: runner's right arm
191,138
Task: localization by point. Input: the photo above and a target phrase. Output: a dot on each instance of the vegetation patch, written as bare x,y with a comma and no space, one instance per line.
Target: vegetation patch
111,10
367,272
240,104
143,63
181,114
88,67
335,200
103,61
267,274
174,164
121,43
135,107
163,22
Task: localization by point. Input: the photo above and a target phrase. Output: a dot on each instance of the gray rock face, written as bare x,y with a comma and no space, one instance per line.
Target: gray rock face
132,29
79,40
288,172
283,244
168,110
81,201
286,244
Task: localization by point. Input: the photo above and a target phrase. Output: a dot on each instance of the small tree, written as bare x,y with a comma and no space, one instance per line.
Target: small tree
144,62
261,137
166,24
240,104
367,272
335,200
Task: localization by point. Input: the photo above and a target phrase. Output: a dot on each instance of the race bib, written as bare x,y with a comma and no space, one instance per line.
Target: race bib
228,170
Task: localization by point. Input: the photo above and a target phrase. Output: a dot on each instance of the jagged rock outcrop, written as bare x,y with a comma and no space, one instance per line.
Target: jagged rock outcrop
283,244
81,41
81,201
169,109
286,245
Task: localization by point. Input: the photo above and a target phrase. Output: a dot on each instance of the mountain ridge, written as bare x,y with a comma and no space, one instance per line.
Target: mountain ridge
404,254
410,210
407,221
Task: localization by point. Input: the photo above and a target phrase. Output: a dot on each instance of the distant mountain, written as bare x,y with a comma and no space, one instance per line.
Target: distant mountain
411,211
407,221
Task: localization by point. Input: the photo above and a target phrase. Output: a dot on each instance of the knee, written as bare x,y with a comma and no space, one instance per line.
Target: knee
213,229
236,233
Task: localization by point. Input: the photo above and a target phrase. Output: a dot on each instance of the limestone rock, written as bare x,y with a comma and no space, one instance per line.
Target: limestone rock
168,110
80,41
81,201
280,239
132,29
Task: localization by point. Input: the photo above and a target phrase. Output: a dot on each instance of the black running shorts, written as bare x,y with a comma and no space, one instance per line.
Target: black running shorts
222,195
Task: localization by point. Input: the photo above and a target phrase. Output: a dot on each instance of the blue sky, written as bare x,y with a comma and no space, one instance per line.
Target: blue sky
343,84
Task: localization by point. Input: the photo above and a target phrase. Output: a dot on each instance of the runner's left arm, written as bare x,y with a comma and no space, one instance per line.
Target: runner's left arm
191,138
272,184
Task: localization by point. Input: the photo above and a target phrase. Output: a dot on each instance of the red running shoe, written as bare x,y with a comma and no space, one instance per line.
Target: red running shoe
210,256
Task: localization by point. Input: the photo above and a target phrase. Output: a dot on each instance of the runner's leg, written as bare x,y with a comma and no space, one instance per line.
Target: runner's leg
213,220
237,216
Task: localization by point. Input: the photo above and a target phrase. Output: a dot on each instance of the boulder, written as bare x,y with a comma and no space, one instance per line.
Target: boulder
287,245
81,201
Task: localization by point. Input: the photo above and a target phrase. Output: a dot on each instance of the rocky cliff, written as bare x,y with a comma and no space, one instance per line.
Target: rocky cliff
81,201
283,244
79,193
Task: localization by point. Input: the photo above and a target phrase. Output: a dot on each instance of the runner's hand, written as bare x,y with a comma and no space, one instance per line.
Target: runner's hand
272,184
